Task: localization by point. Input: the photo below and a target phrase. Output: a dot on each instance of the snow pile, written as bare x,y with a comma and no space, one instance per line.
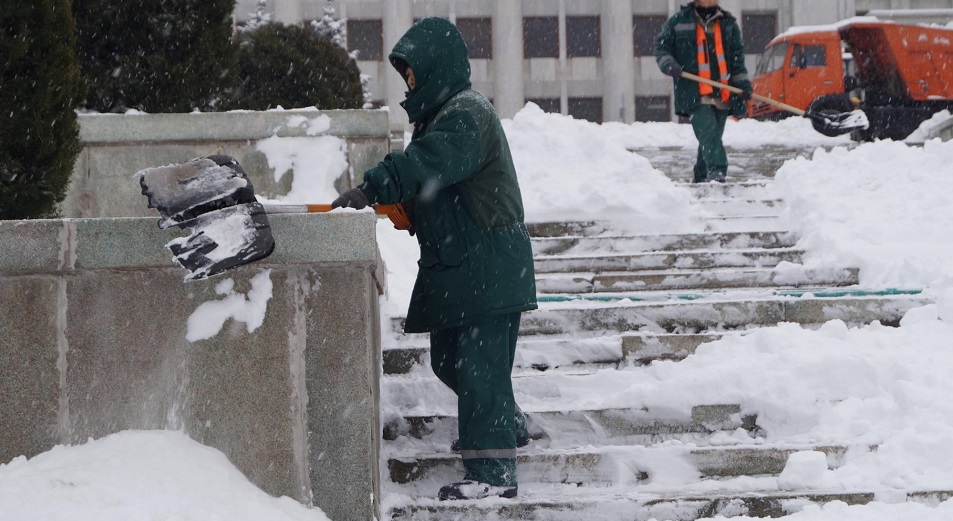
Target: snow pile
884,207
926,129
154,475
572,169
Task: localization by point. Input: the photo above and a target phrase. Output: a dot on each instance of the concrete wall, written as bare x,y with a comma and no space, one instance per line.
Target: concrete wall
118,146
93,341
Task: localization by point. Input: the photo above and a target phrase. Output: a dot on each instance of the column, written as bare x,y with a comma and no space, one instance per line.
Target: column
508,95
397,18
618,58
288,12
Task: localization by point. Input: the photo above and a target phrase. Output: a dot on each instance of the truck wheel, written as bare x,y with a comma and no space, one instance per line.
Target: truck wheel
830,104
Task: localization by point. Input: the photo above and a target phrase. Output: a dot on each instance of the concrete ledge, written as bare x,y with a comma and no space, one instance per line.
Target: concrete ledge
58,246
231,126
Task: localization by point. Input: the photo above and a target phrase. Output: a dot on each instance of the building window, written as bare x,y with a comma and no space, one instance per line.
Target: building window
547,104
653,108
367,38
583,36
757,29
541,37
645,29
478,34
589,109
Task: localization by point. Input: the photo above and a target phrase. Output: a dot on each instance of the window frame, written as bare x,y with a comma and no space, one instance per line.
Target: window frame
574,39
482,25
528,22
378,55
585,99
650,99
636,34
748,39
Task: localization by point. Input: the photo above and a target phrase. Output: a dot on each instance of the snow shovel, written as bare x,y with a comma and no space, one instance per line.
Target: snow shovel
214,197
829,124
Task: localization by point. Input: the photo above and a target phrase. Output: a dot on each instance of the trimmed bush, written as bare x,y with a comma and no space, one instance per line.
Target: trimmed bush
155,55
40,88
293,67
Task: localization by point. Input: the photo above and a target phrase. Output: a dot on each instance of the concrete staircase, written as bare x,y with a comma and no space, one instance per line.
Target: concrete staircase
611,302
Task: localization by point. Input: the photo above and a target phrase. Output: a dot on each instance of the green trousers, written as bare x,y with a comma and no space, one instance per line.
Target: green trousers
476,362
708,122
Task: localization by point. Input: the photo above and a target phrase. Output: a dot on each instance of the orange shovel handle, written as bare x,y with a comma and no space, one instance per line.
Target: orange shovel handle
395,212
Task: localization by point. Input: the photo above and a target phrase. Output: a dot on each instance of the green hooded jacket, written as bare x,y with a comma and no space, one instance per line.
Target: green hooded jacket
677,42
475,253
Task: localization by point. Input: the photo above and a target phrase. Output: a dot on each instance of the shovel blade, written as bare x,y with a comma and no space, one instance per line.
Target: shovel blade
836,124
224,239
183,191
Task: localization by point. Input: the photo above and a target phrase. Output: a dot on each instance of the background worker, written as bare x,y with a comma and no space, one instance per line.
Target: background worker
704,39
475,274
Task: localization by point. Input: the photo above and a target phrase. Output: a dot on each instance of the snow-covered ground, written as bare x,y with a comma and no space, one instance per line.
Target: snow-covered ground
885,207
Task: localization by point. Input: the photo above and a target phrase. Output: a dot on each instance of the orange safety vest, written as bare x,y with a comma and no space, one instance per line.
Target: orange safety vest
704,61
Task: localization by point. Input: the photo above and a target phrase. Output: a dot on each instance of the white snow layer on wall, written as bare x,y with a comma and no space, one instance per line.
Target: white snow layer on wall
207,319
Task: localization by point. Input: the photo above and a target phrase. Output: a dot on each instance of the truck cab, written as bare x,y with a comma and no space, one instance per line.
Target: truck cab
797,69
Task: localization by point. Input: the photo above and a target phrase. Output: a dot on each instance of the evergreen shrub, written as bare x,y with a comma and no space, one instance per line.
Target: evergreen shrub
40,88
293,67
156,55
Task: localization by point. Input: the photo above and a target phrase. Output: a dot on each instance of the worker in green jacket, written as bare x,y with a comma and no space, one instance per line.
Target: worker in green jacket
704,39
457,180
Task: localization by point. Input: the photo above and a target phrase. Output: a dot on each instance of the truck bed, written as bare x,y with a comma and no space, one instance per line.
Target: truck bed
904,61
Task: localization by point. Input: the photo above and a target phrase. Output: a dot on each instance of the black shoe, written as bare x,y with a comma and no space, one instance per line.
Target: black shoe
521,441
470,489
716,177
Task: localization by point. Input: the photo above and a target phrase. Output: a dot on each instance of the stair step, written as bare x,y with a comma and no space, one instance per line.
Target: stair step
567,502
698,279
742,190
741,207
746,223
615,465
701,315
539,354
607,244
592,426
688,312
760,257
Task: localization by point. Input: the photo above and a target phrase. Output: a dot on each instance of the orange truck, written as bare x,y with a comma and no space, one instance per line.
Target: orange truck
899,75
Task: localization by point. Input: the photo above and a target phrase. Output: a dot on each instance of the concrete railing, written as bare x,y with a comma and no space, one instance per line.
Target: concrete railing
117,146
99,334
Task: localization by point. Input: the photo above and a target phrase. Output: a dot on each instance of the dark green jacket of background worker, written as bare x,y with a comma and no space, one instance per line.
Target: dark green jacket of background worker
475,254
677,41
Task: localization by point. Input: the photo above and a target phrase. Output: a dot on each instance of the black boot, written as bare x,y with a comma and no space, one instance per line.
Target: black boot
470,489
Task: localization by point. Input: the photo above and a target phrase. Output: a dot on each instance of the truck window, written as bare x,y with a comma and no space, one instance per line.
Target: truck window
772,59
808,56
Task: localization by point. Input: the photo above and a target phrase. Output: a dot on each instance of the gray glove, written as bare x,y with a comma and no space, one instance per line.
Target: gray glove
353,198
674,70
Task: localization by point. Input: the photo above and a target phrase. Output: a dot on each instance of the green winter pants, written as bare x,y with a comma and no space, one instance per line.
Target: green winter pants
476,362
708,122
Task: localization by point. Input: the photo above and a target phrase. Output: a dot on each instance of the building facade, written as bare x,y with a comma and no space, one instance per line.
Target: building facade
592,59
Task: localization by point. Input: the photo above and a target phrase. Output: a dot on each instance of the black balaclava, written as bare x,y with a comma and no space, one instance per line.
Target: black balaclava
706,12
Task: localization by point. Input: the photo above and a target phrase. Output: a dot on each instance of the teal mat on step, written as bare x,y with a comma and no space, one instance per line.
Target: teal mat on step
818,293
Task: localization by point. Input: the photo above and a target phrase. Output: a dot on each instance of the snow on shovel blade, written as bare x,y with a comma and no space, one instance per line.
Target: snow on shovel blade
224,239
837,123
184,191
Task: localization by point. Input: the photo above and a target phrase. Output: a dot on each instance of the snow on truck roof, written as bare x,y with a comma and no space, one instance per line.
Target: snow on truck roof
835,27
